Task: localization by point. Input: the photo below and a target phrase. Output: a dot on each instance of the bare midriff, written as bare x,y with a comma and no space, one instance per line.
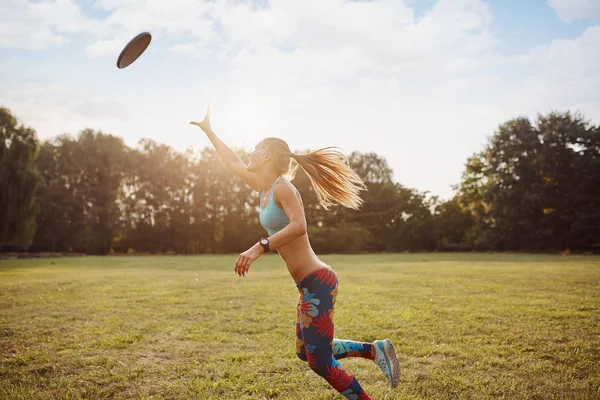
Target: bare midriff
300,258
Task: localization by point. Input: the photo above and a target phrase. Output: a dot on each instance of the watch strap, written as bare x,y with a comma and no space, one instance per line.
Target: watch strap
265,246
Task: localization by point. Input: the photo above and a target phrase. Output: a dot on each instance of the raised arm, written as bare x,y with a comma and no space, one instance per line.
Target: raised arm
229,157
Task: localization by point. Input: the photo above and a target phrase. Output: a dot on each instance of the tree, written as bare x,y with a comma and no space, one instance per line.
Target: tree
82,177
392,218
453,226
60,223
365,229
19,182
536,187
412,224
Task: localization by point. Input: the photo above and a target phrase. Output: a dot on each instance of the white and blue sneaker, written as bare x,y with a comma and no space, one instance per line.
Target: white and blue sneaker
385,358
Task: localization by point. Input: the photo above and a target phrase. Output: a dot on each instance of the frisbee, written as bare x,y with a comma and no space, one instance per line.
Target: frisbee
133,49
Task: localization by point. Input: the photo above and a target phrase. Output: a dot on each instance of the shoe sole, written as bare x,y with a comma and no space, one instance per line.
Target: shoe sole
394,363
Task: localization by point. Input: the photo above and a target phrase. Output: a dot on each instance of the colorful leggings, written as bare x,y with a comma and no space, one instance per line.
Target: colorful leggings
314,334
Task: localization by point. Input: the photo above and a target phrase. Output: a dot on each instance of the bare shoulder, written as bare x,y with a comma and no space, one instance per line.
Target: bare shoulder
285,189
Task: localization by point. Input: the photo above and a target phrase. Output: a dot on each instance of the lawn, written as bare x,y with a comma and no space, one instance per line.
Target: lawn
471,326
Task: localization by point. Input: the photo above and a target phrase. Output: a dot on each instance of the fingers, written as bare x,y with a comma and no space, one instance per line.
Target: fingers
245,265
206,119
242,265
239,265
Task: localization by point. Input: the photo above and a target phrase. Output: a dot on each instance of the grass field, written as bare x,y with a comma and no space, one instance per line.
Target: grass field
464,326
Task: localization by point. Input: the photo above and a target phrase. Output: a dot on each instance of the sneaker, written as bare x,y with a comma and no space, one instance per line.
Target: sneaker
385,358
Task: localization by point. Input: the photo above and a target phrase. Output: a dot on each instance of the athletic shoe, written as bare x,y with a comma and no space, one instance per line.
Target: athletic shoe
385,358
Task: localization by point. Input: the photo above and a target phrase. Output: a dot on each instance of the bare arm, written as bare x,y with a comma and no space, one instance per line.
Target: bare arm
292,205
229,157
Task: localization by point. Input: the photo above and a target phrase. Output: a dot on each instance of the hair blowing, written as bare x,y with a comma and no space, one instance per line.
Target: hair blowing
328,169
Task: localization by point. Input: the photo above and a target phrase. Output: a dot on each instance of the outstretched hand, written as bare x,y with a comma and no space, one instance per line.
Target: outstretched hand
205,124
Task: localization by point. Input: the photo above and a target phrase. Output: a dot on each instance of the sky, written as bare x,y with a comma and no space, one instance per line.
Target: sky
422,83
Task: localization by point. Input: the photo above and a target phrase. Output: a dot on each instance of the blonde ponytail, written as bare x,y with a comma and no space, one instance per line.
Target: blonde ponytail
328,170
332,178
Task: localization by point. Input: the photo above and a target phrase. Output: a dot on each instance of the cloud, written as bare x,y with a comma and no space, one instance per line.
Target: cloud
352,44
412,89
36,26
334,41
570,10
19,28
168,21
60,109
566,75
105,48
579,56
421,90
364,75
39,25
198,50
66,17
384,33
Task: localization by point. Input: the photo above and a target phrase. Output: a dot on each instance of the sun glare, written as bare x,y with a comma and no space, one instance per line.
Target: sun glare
248,124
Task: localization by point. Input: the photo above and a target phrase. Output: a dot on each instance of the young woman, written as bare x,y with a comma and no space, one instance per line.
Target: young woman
282,215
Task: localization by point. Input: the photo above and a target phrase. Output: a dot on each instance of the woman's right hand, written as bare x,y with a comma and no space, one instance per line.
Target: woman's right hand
205,124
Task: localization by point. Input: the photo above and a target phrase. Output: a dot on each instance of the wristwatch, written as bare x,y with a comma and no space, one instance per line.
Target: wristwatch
265,244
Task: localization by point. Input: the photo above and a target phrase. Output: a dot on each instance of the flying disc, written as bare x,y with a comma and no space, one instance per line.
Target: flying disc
133,49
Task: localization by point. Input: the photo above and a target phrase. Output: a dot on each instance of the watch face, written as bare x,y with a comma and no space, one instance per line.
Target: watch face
264,242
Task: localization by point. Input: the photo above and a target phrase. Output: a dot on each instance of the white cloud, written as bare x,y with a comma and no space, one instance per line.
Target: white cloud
580,56
337,40
384,33
64,16
197,50
58,109
566,75
160,21
19,28
38,25
424,92
570,10
104,48
17,35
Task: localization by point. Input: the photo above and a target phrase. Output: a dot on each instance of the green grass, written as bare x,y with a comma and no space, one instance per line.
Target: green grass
464,326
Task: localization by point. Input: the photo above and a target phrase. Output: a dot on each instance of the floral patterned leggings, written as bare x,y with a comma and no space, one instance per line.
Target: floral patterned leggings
314,334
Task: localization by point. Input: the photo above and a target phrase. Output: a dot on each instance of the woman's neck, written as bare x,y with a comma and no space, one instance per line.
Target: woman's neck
266,180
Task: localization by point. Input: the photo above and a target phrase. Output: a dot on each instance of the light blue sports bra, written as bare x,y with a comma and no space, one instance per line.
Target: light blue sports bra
272,217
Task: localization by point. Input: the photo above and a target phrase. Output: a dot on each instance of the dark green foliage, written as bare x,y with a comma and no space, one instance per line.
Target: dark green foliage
537,188
78,199
533,187
19,181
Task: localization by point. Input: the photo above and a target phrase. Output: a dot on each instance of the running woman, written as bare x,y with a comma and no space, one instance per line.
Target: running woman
271,168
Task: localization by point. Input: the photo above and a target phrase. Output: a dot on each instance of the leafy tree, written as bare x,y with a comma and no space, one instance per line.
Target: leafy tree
82,178
60,221
533,187
453,226
412,224
19,181
536,187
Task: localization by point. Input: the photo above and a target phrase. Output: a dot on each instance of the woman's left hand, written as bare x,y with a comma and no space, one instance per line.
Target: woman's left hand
242,265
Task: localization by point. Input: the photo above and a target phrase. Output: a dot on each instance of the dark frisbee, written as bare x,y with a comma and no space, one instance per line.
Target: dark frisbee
133,49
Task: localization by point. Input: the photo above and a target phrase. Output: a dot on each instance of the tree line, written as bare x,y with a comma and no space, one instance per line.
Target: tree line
533,187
